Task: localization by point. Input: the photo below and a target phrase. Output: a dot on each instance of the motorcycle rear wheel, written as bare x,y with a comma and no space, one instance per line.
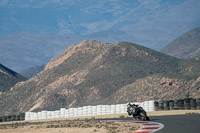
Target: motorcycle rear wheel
144,117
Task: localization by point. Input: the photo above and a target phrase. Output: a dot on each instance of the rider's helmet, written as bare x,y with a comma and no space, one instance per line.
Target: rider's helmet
128,104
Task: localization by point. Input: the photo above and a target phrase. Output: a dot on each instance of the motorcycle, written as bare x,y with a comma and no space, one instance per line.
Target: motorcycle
137,112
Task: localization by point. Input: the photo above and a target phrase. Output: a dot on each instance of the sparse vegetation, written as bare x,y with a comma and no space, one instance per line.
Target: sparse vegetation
110,126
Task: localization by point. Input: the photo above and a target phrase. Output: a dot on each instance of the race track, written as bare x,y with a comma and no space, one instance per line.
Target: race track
172,124
179,123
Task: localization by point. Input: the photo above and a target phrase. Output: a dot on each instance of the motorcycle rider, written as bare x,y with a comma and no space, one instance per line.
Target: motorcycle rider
132,108
129,106
137,111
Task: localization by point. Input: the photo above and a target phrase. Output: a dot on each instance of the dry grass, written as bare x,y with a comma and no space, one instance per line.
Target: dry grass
86,126
31,129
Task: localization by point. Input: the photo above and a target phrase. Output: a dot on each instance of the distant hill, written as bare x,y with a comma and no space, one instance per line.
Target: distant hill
92,71
8,78
185,46
32,71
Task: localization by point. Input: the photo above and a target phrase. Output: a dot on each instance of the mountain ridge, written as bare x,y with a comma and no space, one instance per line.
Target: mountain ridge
8,78
185,46
90,72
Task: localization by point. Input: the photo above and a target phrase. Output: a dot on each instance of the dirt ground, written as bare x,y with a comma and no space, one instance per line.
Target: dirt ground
87,126
53,130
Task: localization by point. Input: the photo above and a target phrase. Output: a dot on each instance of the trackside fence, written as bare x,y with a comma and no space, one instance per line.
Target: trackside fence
148,106
87,111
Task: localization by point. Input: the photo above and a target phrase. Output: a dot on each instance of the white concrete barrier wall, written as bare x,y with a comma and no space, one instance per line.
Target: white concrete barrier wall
148,106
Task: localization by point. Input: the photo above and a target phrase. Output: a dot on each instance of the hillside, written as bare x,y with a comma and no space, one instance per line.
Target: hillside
155,87
185,46
8,78
90,72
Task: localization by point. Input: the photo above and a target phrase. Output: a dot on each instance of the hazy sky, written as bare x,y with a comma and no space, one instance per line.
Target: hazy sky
142,20
39,30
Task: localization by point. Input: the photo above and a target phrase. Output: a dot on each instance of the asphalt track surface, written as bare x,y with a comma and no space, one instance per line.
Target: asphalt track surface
174,124
179,123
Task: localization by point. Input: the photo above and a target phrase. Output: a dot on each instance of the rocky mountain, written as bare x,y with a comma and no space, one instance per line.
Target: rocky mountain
32,32
8,78
32,71
185,46
92,71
